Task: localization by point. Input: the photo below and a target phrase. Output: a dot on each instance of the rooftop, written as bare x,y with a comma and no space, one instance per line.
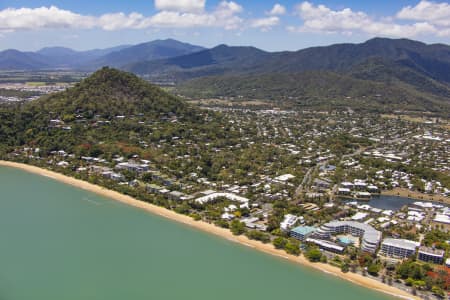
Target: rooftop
401,243
442,219
284,177
431,251
229,196
370,234
304,230
326,244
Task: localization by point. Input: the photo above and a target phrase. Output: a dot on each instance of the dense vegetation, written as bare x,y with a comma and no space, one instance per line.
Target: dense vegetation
18,94
114,116
103,97
110,93
379,75
314,89
406,74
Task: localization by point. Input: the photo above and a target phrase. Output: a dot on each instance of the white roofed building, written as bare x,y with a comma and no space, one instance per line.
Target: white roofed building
288,222
399,248
213,196
435,256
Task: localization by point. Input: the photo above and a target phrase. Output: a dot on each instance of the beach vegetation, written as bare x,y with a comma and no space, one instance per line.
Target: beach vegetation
313,254
279,242
237,227
258,235
292,247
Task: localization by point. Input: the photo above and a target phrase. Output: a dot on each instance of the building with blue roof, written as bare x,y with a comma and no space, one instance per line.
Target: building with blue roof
301,233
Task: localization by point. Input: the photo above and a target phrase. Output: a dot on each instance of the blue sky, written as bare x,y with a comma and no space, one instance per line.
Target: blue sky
271,25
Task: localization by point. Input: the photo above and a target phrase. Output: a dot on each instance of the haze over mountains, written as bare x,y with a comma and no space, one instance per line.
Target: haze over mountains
408,72
65,58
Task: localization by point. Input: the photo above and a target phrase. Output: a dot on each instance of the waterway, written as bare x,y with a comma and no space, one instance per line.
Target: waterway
387,202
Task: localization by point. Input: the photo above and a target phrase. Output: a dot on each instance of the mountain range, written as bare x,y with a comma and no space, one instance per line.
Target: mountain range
416,75
412,74
90,60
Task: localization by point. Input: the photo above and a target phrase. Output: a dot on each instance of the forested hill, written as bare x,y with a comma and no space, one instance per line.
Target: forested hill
108,106
110,93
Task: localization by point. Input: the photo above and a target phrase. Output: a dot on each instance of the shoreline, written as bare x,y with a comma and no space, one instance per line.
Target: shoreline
212,229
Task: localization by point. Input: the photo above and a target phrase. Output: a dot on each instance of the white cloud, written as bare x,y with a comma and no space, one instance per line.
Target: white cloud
120,21
265,23
179,20
228,8
427,11
44,17
192,6
225,15
277,10
320,18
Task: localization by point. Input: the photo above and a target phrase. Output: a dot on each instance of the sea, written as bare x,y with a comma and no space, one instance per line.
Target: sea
64,243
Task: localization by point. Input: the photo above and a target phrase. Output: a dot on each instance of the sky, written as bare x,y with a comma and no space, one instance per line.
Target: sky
29,25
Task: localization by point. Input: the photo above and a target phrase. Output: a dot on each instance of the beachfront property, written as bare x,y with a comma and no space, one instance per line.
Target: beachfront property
156,189
113,176
430,255
301,233
326,245
370,237
132,167
178,196
399,248
254,223
211,196
288,222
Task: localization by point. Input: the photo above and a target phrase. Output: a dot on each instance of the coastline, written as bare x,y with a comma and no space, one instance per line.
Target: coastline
403,192
212,229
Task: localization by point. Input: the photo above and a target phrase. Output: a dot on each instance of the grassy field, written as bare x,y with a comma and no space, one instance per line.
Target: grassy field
36,83
224,102
416,195
418,119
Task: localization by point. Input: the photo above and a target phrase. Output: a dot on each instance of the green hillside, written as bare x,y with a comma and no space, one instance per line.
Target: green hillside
109,93
408,74
109,106
315,88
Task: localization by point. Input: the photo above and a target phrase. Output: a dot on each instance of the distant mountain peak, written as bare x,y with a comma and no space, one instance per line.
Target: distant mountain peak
63,57
56,51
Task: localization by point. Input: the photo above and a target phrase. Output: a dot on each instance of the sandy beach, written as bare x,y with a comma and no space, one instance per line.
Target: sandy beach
266,248
402,192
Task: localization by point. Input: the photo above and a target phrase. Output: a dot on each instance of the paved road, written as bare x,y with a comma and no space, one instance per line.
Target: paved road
307,180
